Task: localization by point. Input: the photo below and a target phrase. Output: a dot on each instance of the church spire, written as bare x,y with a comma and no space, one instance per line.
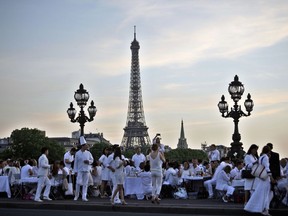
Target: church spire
182,143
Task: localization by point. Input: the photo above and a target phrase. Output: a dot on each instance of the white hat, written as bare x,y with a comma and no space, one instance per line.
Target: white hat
82,140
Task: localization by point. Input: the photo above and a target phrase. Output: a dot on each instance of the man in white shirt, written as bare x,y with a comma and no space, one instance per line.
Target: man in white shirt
43,180
138,158
237,170
213,154
208,183
69,158
82,162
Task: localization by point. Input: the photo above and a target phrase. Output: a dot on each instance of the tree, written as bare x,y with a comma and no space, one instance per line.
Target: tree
27,143
97,149
181,155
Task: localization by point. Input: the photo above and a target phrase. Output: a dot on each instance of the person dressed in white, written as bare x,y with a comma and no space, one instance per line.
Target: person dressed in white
146,180
111,165
69,158
82,162
105,173
209,183
119,175
235,173
138,158
249,183
157,140
213,154
223,183
156,160
260,200
43,180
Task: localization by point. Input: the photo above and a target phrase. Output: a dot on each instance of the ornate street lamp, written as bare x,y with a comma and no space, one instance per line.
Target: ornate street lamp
81,96
236,90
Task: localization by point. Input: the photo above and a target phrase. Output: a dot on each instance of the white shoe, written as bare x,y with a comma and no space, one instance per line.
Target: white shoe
47,198
85,200
210,196
118,201
224,199
38,200
75,198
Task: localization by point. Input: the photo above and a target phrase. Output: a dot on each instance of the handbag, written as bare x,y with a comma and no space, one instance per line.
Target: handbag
69,190
246,173
258,170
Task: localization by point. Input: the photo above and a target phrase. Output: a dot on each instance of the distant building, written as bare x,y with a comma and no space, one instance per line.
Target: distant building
182,143
91,139
4,143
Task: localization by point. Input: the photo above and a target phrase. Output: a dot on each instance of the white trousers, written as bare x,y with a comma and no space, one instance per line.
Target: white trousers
208,185
156,183
43,181
82,179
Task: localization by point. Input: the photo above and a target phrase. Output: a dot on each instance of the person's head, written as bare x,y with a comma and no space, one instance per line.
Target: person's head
253,149
105,150
62,164
270,145
34,162
117,152
45,150
185,165
138,150
147,167
239,164
266,150
227,169
154,147
73,151
212,147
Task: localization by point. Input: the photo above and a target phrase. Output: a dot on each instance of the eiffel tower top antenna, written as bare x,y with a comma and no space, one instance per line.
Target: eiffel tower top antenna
134,32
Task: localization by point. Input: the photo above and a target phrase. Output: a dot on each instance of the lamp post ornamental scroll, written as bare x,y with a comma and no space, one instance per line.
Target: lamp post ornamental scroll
81,96
236,90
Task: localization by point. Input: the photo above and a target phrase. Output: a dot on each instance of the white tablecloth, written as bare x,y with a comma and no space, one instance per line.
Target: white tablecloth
29,180
132,185
5,186
238,183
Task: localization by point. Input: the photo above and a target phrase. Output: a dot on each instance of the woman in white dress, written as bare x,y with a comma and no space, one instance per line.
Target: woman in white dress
105,174
260,200
119,175
250,158
156,159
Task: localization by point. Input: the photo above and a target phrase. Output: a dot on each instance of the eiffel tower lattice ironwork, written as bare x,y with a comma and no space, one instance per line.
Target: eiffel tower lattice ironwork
136,131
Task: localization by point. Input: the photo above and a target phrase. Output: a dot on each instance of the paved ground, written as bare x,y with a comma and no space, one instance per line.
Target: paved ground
173,206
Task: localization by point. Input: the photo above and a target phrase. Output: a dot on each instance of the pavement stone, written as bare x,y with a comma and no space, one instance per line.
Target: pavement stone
167,206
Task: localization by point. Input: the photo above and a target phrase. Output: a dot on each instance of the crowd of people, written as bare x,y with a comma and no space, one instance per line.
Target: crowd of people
155,171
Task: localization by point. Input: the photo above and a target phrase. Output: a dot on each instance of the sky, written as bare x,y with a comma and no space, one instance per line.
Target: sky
189,53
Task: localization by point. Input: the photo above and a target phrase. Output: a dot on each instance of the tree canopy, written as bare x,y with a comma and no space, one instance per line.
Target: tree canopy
27,143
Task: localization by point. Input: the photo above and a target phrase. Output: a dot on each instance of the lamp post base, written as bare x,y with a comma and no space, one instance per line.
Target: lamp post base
236,151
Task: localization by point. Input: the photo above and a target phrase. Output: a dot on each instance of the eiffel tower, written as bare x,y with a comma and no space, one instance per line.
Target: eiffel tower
136,131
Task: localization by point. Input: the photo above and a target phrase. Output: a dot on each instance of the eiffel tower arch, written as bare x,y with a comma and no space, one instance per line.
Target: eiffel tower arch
135,131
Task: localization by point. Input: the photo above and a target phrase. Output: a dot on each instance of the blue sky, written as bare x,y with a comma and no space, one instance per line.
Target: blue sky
189,53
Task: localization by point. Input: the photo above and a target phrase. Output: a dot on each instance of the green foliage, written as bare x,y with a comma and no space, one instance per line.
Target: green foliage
181,155
97,150
27,143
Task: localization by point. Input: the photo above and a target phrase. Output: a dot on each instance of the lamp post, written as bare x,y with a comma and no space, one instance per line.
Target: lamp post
81,96
236,89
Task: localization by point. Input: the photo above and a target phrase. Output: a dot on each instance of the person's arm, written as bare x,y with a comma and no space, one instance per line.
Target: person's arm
162,157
